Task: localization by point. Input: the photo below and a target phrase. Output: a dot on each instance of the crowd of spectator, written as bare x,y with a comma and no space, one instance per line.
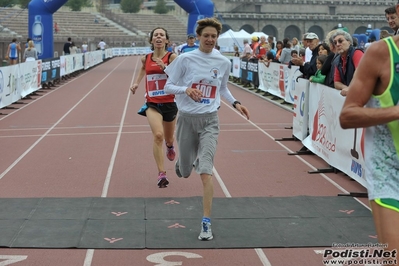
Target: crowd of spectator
331,62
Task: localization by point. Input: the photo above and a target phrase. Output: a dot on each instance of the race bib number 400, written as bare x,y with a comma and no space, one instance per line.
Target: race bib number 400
155,85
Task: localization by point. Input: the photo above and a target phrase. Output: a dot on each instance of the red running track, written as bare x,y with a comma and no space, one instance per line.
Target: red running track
84,138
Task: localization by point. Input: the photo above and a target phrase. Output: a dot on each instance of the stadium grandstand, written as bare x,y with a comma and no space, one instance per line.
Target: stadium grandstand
280,18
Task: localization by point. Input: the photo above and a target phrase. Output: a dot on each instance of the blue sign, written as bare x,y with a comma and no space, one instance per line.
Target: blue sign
197,9
40,25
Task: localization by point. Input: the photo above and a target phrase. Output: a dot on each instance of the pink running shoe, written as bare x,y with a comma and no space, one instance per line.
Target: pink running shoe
162,180
170,152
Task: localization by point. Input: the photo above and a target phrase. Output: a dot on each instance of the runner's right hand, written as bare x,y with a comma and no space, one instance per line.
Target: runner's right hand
134,88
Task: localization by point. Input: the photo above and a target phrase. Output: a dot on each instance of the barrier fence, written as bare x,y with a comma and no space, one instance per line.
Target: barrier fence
316,110
20,80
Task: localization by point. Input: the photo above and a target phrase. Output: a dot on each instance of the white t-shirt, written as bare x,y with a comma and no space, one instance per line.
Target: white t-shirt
84,47
102,45
208,72
308,54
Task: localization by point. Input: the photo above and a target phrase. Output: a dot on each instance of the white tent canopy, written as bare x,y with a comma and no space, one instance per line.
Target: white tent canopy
227,40
259,34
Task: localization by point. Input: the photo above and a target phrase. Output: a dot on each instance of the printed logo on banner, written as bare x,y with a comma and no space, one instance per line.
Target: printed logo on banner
243,65
293,83
44,76
269,77
54,73
27,78
34,76
55,63
11,84
325,123
39,73
283,80
276,79
249,76
302,104
356,166
252,67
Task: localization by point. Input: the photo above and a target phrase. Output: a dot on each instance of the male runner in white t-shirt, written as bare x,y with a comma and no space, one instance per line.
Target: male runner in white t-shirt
198,79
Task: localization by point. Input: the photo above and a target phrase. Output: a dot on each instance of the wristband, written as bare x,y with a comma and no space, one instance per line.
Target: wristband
236,102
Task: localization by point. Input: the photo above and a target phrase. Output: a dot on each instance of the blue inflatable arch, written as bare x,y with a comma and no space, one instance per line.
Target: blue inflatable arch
197,9
40,20
40,25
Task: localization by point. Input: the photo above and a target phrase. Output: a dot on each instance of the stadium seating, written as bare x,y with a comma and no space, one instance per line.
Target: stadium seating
147,22
86,26
81,26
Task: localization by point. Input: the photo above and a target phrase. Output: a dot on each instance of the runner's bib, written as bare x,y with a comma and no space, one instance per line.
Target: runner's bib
155,85
208,92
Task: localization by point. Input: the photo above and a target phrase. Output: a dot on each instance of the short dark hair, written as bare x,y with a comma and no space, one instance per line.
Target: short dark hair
322,58
325,46
390,10
294,52
270,55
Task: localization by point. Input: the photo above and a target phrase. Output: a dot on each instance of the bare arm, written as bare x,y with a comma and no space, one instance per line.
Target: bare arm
161,64
371,77
140,76
339,85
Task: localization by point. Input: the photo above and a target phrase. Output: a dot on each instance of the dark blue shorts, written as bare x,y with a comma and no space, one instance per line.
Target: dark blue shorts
167,110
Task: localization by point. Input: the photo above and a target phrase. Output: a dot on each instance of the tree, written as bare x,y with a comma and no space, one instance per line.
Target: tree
160,7
76,5
7,3
131,6
23,3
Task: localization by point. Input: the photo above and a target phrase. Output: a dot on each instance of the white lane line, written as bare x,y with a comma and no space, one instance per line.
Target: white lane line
262,256
89,257
116,146
18,128
90,252
221,183
107,133
53,126
300,158
287,149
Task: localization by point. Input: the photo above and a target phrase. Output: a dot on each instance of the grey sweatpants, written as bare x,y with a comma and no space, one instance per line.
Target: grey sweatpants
197,137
